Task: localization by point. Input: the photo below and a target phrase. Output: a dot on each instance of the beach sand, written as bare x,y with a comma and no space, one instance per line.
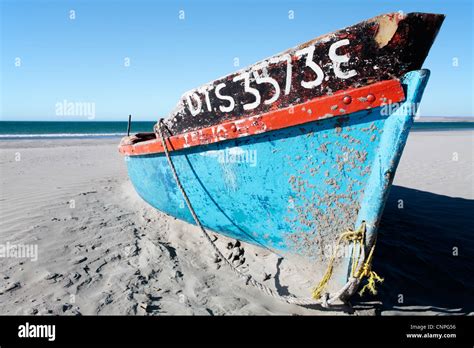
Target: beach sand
102,250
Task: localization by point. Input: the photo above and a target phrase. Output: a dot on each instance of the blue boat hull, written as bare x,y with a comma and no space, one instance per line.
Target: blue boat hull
292,190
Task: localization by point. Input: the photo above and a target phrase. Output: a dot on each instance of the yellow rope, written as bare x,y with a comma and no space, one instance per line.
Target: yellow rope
358,238
346,236
366,271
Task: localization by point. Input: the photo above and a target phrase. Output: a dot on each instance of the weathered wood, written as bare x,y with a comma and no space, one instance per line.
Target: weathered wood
382,48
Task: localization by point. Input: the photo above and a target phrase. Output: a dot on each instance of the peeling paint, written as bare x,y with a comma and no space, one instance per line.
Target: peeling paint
387,27
381,48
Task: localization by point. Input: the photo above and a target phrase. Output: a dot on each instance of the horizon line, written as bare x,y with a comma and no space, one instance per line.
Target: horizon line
141,120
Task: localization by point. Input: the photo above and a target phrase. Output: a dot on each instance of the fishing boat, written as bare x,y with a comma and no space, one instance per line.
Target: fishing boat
297,152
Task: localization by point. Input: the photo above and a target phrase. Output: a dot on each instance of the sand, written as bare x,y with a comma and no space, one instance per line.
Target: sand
102,250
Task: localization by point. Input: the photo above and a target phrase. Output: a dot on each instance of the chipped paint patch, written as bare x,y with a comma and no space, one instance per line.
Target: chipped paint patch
381,48
387,27
327,201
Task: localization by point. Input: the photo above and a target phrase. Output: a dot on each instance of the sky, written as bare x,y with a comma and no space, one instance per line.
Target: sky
138,57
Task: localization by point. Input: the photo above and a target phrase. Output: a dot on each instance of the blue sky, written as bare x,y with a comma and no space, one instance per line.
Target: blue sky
83,59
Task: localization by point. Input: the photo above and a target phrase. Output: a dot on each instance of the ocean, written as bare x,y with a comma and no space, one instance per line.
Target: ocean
70,129
96,129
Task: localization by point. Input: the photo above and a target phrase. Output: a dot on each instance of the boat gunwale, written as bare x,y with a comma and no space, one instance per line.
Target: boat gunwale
339,104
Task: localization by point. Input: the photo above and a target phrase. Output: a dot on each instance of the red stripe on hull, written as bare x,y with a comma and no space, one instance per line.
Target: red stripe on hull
339,104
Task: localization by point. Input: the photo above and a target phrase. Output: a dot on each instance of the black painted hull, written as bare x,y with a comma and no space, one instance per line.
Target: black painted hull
381,48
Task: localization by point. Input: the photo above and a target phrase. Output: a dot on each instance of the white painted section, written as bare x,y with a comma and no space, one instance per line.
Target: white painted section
247,89
271,81
197,98
309,51
224,97
337,60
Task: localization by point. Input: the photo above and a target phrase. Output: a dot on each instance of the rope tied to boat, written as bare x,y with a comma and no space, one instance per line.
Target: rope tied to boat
372,277
324,300
358,238
354,236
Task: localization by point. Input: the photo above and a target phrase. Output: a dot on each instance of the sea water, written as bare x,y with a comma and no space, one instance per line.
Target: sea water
97,129
70,129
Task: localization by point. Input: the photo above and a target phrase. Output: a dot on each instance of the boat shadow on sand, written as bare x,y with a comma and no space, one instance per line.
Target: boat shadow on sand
425,253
